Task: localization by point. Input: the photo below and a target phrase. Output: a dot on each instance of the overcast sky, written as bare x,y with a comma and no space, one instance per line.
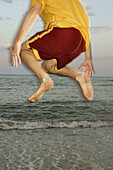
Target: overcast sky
101,17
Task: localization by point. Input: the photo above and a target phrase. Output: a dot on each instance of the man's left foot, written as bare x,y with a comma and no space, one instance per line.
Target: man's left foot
85,84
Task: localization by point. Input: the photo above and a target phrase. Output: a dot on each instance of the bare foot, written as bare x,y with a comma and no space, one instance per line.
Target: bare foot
45,86
85,84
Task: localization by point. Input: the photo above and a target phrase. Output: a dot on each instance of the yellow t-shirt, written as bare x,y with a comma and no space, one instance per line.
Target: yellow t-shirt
64,14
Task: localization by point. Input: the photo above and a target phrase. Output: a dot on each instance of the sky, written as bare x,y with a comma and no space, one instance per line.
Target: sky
100,12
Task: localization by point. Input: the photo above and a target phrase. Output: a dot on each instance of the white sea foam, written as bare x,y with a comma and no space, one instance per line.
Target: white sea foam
10,125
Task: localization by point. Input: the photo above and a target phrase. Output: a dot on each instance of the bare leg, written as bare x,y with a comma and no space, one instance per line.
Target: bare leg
82,78
30,61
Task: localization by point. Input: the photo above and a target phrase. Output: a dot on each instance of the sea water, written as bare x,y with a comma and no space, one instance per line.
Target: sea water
62,131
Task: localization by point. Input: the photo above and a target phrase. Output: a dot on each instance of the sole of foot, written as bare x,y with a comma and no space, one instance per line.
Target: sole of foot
84,81
45,86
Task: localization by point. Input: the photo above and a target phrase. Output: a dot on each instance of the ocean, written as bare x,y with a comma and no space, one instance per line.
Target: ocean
62,131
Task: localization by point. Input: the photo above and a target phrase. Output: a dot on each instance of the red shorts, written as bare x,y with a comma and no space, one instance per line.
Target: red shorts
62,44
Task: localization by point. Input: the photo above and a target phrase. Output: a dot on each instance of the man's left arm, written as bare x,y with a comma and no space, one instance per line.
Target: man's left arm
88,62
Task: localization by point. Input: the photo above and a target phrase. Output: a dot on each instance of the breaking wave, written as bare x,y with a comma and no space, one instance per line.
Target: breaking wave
16,125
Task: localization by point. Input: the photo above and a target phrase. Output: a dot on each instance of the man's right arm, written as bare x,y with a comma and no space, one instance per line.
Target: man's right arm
25,28
28,22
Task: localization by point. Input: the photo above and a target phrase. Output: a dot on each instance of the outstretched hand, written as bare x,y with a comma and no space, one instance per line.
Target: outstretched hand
88,67
15,54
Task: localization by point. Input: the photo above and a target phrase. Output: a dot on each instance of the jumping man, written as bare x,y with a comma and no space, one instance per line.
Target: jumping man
65,37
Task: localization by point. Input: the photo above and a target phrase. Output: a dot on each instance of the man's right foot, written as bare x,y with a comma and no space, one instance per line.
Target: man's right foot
45,86
85,84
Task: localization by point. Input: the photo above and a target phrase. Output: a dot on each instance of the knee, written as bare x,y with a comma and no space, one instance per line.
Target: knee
23,46
24,49
49,66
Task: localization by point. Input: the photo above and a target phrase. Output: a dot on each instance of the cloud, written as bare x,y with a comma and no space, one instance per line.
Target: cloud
101,28
88,7
4,46
5,18
8,1
91,14
21,8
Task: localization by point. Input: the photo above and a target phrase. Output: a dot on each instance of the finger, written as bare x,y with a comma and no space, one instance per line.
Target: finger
19,59
91,69
13,53
80,66
11,49
86,74
83,65
93,72
13,61
88,71
16,61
